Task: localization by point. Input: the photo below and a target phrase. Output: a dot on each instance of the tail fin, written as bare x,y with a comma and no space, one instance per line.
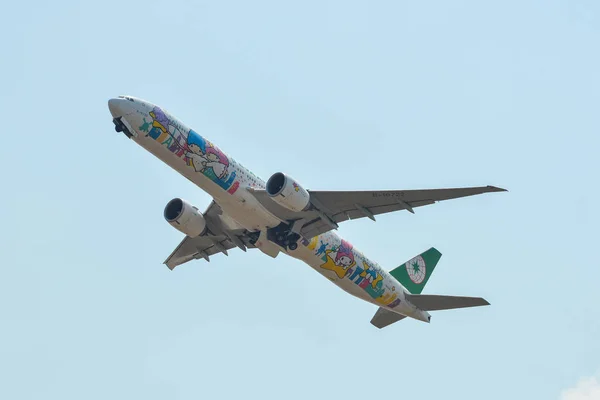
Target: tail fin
415,273
433,302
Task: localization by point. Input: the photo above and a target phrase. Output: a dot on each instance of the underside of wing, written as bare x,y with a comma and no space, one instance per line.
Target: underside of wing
215,240
202,247
328,208
433,302
358,204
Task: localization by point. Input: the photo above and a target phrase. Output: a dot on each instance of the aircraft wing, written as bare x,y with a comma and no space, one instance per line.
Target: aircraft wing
216,240
328,208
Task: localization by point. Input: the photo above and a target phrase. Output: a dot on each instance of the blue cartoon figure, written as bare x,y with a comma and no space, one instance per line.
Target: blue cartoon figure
204,157
321,249
197,150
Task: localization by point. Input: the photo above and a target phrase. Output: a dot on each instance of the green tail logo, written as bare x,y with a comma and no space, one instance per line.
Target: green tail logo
415,273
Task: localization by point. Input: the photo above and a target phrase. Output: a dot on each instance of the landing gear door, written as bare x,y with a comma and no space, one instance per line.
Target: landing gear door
130,129
266,246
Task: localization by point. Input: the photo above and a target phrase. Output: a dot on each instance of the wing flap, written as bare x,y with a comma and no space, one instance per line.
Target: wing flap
355,213
216,240
198,247
339,206
335,200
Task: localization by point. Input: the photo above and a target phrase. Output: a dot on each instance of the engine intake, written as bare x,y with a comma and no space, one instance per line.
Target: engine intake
286,192
185,217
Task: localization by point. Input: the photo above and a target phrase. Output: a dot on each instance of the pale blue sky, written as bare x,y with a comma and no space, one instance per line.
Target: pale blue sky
340,95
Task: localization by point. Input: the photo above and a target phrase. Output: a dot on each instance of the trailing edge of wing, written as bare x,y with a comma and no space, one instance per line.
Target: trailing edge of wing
215,241
328,208
197,248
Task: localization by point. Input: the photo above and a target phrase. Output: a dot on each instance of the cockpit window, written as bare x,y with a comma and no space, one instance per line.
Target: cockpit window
126,98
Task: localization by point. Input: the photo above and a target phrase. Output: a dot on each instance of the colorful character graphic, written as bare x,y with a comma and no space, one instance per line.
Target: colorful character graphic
296,187
160,125
386,299
371,275
394,303
339,260
234,187
367,278
199,153
355,273
217,161
321,249
373,281
313,242
145,127
206,158
196,155
159,119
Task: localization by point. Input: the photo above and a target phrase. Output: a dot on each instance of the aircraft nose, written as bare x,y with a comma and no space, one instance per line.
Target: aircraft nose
119,107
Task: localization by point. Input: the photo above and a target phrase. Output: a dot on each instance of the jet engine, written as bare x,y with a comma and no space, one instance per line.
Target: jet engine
185,217
286,192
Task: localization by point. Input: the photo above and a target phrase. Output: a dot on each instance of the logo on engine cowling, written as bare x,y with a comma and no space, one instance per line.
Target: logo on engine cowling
296,187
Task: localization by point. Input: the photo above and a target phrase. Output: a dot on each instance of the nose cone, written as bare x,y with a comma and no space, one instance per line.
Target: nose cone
119,107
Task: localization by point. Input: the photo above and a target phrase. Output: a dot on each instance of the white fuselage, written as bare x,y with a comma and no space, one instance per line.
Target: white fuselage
201,162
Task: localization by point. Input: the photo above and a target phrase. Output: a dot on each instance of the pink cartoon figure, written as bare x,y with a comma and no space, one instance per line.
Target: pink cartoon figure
340,260
217,161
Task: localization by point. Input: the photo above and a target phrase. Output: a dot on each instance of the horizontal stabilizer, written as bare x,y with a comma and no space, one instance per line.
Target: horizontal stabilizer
433,302
383,318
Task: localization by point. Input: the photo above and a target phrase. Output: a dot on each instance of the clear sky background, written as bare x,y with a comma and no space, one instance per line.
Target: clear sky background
341,95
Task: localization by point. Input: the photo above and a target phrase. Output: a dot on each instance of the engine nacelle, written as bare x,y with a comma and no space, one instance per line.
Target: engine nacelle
185,217
286,192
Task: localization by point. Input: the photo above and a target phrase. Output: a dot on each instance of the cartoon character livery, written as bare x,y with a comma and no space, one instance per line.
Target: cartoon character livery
281,216
199,153
339,259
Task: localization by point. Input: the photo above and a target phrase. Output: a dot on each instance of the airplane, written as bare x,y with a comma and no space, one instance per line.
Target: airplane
281,216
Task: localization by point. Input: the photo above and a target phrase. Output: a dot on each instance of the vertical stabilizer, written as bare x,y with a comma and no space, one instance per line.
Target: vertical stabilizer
415,273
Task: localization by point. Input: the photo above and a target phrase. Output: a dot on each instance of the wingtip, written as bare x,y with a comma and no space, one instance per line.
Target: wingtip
171,267
496,189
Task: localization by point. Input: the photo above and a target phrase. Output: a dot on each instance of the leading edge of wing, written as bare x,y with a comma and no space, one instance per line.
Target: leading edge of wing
496,189
330,207
369,203
471,189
